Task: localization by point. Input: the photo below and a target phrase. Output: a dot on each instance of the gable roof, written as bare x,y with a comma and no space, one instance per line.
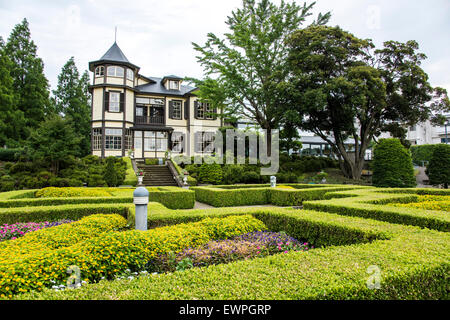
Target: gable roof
157,87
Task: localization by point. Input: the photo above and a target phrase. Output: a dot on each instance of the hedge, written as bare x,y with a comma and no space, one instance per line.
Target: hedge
231,197
369,204
112,252
53,192
58,237
55,213
241,196
414,264
173,197
130,175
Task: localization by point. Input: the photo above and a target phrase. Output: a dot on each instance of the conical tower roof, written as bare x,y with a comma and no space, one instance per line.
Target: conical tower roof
113,55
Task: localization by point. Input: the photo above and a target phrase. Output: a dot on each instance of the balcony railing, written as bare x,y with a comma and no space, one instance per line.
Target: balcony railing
149,120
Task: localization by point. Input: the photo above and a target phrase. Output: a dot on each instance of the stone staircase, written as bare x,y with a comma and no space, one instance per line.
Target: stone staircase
157,175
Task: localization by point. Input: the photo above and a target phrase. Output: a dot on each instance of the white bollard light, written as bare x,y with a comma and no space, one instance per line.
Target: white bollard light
273,181
140,199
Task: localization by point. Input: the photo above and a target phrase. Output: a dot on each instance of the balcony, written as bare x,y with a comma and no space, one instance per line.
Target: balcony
158,120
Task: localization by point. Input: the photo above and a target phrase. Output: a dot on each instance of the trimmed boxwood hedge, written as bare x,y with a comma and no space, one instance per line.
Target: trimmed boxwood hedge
173,197
243,195
368,204
414,264
110,252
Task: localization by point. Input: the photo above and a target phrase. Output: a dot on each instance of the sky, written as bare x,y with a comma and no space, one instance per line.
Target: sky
157,35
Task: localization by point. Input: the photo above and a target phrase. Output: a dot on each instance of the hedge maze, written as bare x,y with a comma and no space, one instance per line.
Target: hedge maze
364,247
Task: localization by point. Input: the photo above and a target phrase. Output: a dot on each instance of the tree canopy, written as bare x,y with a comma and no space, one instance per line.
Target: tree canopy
250,62
342,88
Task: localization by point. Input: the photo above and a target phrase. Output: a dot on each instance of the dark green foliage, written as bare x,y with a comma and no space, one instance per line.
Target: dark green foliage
110,175
9,154
72,99
392,165
438,170
210,173
249,62
232,174
11,119
341,87
29,82
73,172
421,154
54,141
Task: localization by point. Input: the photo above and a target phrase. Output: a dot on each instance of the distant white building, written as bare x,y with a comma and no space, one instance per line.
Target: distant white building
426,133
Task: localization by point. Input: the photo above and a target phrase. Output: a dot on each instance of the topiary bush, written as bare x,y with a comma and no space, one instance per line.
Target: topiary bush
438,170
110,175
210,173
392,165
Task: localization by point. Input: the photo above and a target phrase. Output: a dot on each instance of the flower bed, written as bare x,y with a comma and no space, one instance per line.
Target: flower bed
246,246
109,253
16,230
428,202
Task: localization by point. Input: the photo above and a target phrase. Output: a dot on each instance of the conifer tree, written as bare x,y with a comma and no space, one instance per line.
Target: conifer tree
30,85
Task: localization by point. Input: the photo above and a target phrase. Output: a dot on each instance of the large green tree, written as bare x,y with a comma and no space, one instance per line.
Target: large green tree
10,117
54,141
27,71
72,99
250,62
342,88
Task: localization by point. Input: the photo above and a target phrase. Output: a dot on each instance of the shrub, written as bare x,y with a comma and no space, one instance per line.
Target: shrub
9,154
438,170
130,177
250,177
61,236
52,192
233,174
173,197
110,175
392,165
113,252
210,173
422,154
232,197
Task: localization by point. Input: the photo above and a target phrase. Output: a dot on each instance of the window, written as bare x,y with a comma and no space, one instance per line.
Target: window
177,142
97,139
204,111
130,74
208,111
204,142
155,141
128,139
176,109
114,71
138,139
114,102
113,139
174,85
200,110
139,111
412,128
100,71
444,140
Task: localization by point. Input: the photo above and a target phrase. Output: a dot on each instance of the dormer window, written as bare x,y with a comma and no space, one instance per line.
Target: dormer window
100,71
130,74
114,71
174,85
